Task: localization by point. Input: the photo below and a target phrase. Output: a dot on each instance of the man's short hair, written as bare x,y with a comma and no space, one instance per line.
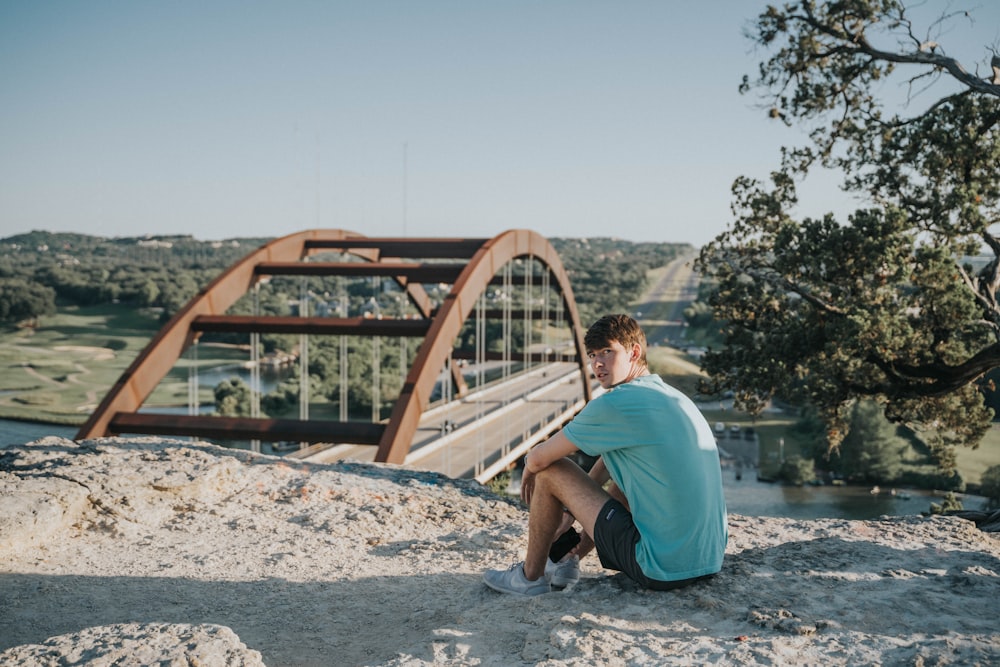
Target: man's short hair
615,328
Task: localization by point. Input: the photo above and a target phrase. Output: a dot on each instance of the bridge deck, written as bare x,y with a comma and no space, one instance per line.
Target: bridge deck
460,439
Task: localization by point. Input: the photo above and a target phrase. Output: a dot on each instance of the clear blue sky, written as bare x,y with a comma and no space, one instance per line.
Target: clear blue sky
223,119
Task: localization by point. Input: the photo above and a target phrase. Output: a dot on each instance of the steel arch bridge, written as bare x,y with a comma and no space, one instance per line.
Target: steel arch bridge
475,269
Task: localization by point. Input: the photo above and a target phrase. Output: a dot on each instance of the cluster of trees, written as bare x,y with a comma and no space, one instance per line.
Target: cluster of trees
874,451
898,304
990,485
78,269
22,299
166,271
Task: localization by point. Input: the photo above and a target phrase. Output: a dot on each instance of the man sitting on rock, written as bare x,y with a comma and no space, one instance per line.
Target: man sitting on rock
662,520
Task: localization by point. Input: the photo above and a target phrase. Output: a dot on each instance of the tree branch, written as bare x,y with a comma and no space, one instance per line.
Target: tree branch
771,277
918,57
936,379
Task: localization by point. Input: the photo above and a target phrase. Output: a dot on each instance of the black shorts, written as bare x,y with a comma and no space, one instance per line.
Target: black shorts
615,537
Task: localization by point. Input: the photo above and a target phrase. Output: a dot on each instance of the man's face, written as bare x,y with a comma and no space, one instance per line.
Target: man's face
612,364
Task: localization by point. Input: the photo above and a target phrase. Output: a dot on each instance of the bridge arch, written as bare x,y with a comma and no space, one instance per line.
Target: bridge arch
453,313
440,327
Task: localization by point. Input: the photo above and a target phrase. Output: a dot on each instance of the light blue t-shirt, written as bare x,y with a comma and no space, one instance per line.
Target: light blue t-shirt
662,454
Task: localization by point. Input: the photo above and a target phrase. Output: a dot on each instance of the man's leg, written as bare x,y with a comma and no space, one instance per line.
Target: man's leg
586,544
562,485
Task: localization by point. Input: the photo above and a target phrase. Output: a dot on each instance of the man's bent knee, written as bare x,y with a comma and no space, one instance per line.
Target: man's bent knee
578,493
563,475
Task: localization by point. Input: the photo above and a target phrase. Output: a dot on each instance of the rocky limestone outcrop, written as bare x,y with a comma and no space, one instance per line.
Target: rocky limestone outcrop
139,645
152,551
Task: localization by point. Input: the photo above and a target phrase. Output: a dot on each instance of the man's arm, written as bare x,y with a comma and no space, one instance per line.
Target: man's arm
541,457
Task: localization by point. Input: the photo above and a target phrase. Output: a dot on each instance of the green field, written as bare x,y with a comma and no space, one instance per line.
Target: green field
59,371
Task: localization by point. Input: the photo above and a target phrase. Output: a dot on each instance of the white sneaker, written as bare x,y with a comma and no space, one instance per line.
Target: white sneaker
512,580
563,573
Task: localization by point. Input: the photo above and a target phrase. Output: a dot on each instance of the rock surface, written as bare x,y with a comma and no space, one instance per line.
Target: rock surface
151,551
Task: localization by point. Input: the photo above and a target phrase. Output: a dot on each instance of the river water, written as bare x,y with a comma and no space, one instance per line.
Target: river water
753,498
14,432
746,496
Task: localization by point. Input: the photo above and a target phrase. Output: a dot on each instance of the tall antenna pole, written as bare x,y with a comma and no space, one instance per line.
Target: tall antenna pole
318,156
406,148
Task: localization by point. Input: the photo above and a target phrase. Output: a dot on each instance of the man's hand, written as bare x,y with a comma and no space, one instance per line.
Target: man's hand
541,457
527,485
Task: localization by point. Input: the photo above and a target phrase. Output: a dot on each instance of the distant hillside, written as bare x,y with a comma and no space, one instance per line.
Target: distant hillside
164,271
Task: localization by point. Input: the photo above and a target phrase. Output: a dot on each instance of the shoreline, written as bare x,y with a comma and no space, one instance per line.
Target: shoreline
45,422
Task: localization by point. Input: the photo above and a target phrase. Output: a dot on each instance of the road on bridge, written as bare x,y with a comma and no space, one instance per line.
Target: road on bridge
461,437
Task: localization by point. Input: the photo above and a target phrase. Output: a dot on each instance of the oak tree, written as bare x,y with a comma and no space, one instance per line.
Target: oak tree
899,302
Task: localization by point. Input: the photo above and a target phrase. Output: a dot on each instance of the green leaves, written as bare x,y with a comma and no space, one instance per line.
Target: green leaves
899,301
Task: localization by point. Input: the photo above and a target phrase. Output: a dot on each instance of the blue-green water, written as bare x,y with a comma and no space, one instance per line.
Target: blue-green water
17,432
753,498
